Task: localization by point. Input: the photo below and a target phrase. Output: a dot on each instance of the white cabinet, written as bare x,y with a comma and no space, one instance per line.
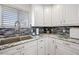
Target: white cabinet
41,46
41,15
57,15
65,15
64,48
29,48
32,50
37,15
46,46
70,16
12,51
77,22
74,33
50,46
0,16
47,15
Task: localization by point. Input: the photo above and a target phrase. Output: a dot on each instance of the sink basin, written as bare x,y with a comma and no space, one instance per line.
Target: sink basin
15,39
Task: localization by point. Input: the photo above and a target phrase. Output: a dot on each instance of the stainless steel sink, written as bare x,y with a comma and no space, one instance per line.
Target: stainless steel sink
15,39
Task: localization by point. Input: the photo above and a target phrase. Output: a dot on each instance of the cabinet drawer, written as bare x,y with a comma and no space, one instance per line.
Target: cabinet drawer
41,42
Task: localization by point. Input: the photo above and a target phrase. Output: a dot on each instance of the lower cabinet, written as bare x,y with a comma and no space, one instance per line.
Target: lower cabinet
32,50
64,48
29,48
46,46
50,46
43,46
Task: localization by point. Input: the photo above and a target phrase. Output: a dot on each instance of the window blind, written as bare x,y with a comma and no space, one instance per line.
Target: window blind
9,16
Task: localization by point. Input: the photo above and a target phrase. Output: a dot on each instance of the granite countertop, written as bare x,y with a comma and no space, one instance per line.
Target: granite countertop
5,46
72,40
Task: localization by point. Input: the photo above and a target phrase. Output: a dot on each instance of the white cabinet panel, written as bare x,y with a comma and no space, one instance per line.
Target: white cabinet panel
57,15
29,48
0,16
47,15
37,15
70,17
65,15
12,50
32,50
41,50
74,33
64,48
50,46
41,46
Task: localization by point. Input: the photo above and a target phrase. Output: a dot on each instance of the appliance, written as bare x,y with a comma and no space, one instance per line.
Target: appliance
37,31
74,33
33,31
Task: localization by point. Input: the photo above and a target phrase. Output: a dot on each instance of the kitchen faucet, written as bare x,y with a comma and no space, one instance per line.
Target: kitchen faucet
17,27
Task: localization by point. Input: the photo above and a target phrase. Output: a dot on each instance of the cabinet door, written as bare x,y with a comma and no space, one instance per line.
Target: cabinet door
70,15
41,50
12,50
37,15
41,46
32,50
0,16
57,15
63,48
47,15
77,22
50,46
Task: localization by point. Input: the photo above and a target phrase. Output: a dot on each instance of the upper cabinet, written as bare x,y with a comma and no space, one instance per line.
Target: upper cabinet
47,15
0,16
65,15
57,19
41,15
70,16
55,15
37,15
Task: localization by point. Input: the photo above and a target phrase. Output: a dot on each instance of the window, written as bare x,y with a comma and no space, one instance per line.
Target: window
11,15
